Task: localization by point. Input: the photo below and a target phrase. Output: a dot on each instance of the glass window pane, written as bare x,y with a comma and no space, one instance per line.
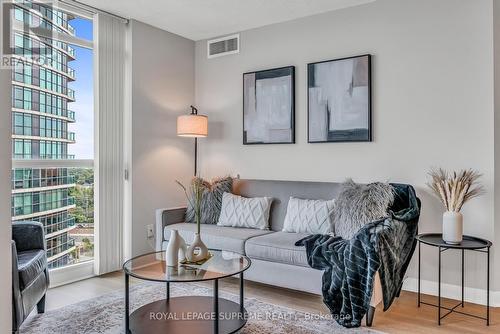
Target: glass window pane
19,174
18,119
18,146
18,41
27,120
49,78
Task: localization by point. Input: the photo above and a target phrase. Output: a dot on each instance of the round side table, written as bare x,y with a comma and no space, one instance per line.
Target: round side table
468,244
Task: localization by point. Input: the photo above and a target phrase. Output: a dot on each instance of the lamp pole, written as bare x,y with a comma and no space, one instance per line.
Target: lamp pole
195,156
194,111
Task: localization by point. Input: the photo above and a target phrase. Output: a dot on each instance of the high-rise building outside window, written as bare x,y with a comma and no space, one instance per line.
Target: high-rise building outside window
52,122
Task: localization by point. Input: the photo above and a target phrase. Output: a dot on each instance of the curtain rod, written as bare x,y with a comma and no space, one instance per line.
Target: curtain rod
81,5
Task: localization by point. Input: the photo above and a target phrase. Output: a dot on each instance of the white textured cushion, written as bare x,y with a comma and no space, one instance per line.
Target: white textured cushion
239,211
309,216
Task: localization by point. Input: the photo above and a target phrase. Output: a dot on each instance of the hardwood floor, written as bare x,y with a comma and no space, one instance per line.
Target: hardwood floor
402,317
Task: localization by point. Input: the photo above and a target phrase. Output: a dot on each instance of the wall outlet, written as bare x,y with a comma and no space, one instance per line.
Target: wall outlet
150,231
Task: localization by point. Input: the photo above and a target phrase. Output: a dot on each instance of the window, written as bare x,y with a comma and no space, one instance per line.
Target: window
22,149
58,194
18,124
19,14
27,99
27,149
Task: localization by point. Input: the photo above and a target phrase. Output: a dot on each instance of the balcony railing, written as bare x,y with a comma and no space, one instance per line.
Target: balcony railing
71,136
60,248
42,182
71,30
71,93
47,157
71,115
41,207
70,50
71,72
56,181
64,46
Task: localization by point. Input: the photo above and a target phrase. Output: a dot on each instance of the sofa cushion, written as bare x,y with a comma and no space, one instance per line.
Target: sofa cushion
312,216
211,200
278,247
30,264
280,192
360,204
216,237
238,211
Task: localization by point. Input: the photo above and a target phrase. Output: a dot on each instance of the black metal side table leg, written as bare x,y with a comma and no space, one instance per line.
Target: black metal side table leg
216,306
463,276
439,288
168,291
488,289
242,297
418,289
127,302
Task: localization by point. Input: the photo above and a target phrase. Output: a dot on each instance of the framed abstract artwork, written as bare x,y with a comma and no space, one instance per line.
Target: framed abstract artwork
339,100
269,106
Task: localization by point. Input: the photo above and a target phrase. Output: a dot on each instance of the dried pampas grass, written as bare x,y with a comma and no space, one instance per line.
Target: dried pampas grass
455,189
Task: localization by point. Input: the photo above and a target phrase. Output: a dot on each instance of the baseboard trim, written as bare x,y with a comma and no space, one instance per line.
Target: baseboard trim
472,295
71,273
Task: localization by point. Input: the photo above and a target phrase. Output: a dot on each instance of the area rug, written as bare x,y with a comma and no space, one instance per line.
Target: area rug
105,314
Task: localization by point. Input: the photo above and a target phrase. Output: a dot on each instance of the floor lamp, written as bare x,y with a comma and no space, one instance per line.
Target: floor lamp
195,126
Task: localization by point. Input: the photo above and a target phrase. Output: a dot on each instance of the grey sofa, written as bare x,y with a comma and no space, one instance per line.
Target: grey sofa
30,275
275,258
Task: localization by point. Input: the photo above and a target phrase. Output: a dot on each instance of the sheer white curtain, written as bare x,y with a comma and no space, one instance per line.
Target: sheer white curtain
109,158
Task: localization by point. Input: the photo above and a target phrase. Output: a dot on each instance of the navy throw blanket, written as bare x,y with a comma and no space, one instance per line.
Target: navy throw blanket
349,266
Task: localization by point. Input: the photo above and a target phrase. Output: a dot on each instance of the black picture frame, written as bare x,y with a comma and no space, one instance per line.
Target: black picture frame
368,136
262,74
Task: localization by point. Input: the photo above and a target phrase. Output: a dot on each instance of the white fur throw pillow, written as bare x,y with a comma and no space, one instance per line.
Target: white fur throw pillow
239,211
309,216
360,204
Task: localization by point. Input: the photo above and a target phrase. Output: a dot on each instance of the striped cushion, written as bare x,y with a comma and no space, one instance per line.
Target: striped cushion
211,201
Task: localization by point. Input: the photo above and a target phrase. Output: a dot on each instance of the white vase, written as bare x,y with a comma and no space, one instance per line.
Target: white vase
453,227
176,246
197,251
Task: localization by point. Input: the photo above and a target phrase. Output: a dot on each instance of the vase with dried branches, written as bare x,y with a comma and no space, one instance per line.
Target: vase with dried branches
197,251
454,189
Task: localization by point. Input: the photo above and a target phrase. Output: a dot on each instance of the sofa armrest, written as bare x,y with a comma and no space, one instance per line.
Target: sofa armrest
28,235
164,217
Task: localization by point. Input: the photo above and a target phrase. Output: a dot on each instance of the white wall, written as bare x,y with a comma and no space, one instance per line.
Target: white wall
496,42
5,218
432,106
5,201
162,88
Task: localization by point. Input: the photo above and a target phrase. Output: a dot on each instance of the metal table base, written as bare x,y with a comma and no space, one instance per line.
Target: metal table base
453,309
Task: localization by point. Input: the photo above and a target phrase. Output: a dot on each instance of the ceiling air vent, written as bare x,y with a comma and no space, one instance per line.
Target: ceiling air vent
223,46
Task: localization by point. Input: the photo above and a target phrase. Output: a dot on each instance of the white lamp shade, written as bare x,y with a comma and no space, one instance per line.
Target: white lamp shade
192,126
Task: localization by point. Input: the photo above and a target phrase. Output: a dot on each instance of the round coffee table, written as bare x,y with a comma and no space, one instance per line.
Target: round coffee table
186,314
